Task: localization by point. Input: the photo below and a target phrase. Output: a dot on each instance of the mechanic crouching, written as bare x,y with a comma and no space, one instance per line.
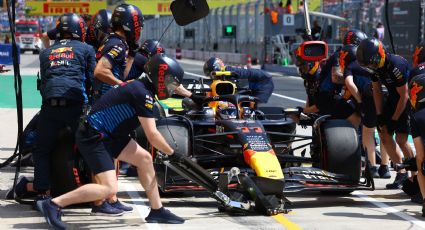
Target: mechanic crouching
65,67
322,93
104,135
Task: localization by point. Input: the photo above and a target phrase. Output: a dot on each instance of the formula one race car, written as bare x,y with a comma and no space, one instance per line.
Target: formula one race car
243,155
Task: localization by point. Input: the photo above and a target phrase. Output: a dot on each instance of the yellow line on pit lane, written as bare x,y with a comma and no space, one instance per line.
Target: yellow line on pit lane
286,222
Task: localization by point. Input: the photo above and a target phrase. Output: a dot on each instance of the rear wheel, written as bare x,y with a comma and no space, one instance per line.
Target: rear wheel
341,153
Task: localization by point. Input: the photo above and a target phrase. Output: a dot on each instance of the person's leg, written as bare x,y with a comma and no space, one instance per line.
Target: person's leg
401,139
139,157
47,132
368,140
355,120
106,187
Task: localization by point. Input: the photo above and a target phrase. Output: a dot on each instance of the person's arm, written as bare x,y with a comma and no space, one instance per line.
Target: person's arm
182,91
128,66
91,65
377,96
103,72
311,109
45,40
353,88
402,101
154,136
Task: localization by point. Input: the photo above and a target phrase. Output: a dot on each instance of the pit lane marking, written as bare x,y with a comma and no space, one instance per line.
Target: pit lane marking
389,209
286,222
143,210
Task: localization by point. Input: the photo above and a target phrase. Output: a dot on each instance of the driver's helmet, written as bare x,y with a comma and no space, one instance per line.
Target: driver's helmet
226,110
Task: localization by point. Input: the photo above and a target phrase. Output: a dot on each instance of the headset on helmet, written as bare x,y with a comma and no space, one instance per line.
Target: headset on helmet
371,53
72,24
165,75
151,47
101,23
417,92
130,19
419,54
213,64
354,37
347,55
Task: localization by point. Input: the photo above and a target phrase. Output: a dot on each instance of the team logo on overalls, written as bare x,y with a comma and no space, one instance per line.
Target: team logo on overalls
413,93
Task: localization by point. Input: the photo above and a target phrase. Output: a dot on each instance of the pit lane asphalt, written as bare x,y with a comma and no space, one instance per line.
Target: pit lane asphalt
379,209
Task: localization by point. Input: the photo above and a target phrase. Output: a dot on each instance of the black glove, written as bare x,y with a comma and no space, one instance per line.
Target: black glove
199,100
176,156
391,126
300,109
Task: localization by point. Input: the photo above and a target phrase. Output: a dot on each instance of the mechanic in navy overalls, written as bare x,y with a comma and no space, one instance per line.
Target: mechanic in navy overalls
322,92
259,82
359,84
392,71
417,113
105,135
65,67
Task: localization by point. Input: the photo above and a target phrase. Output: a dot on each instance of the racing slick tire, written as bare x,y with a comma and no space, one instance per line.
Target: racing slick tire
342,152
177,135
68,171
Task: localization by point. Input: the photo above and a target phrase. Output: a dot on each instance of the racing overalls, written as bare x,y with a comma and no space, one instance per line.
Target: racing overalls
393,74
65,67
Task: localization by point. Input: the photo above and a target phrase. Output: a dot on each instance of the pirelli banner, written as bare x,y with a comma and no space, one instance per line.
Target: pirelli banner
58,8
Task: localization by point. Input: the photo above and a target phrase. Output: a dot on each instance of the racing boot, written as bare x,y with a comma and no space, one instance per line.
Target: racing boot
52,213
384,172
163,216
121,206
398,182
374,172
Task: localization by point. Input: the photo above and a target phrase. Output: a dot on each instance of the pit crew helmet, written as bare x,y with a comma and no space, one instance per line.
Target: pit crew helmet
151,47
371,54
213,64
130,19
305,68
101,23
347,55
354,37
164,74
72,24
417,92
419,54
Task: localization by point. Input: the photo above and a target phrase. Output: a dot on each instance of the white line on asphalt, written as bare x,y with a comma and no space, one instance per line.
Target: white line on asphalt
143,210
389,209
289,98
196,75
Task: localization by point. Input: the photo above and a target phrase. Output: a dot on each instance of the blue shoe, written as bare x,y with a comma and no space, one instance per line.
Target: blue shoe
105,209
121,206
40,197
163,216
20,189
52,213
